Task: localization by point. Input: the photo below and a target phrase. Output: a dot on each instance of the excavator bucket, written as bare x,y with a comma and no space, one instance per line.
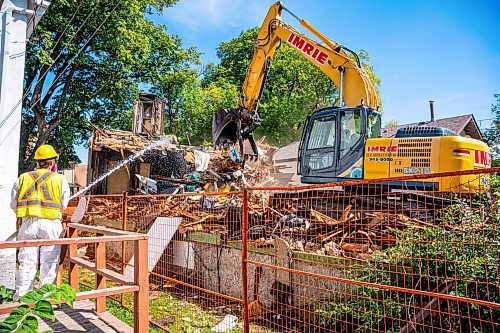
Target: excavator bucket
225,127
226,130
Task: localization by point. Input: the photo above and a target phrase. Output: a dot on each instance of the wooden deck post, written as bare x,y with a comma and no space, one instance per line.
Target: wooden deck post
124,244
62,257
100,263
141,305
73,267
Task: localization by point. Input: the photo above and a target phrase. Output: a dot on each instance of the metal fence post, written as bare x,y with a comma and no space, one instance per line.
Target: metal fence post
100,263
244,265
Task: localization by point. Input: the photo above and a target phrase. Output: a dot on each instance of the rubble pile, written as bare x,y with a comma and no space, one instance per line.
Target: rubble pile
125,141
175,168
103,208
211,179
353,234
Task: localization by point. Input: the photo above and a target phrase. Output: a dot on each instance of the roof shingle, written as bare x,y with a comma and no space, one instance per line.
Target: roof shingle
465,123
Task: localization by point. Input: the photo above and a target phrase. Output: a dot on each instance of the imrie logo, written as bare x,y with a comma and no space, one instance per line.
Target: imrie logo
482,157
382,149
307,48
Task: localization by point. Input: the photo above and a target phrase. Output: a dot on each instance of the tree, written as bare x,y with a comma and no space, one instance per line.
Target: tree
86,62
175,87
391,123
294,89
193,120
491,135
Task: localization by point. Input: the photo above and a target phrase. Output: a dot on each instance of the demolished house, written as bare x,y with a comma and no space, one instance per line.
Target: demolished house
167,167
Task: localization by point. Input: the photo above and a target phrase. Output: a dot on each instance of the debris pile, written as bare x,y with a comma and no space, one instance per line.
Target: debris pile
104,208
306,224
174,168
125,141
353,234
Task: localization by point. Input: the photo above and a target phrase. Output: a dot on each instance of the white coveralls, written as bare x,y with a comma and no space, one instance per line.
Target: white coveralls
38,228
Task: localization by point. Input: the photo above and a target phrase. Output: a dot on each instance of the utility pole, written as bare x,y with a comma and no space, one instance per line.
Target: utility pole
18,19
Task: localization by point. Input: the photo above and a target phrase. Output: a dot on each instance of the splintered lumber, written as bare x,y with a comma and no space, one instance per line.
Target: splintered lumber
353,234
353,247
324,218
345,213
330,236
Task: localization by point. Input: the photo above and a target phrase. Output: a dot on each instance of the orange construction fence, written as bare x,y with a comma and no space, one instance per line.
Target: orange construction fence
393,255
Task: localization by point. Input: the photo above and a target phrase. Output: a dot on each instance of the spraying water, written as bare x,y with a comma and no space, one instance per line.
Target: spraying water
126,161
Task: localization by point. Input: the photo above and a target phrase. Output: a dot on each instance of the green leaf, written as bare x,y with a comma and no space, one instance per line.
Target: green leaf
17,314
68,294
7,328
48,331
55,296
29,325
47,288
31,297
6,295
43,309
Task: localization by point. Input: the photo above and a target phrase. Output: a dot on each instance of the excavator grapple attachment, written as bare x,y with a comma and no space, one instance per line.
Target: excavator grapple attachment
226,126
227,130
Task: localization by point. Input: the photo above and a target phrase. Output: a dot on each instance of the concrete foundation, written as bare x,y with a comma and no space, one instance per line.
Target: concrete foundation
218,268
226,276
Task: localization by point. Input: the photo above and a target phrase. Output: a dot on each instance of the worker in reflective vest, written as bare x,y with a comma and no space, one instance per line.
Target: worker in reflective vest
38,198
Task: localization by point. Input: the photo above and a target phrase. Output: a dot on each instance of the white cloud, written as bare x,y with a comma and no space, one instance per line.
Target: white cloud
199,15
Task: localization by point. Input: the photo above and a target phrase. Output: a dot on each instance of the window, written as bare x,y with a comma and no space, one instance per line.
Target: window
373,126
322,133
321,139
350,125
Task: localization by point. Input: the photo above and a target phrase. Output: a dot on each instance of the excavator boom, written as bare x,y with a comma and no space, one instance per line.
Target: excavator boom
355,87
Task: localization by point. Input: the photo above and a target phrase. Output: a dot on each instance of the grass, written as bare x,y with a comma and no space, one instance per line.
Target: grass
184,316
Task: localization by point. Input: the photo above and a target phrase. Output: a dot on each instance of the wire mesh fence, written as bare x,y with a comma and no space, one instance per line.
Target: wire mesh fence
404,255
380,257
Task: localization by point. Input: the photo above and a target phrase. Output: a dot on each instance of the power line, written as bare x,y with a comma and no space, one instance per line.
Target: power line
81,49
54,62
32,18
62,50
75,55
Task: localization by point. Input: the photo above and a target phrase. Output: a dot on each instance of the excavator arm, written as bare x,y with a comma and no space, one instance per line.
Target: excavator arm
355,87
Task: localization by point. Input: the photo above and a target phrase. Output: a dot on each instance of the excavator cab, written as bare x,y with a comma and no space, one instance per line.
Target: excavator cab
333,143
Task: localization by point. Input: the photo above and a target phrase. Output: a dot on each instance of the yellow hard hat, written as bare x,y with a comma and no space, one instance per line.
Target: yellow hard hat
45,152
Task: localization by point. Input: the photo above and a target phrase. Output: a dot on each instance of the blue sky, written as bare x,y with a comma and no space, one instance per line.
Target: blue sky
447,51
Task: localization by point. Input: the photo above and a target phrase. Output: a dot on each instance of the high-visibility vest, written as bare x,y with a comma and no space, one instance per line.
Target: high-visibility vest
40,194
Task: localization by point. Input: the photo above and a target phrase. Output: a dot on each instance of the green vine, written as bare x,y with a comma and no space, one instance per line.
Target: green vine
36,303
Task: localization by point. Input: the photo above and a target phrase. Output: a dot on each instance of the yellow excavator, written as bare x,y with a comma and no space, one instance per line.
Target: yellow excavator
343,142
